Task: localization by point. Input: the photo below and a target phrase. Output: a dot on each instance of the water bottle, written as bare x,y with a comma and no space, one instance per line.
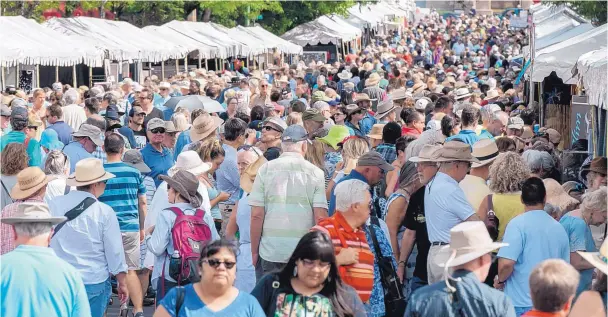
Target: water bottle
175,265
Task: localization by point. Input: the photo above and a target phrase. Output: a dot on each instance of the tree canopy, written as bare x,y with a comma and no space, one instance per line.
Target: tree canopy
596,11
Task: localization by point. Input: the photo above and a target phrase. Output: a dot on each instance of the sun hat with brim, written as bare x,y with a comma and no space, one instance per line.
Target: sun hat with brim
136,160
204,126
598,259
515,123
29,181
372,80
452,151
486,151
557,196
373,158
399,94
88,171
33,212
385,108
319,96
462,93
376,132
469,240
597,165
335,135
345,74
191,162
362,97
491,94
170,127
186,185
349,109
426,153
249,174
90,131
50,140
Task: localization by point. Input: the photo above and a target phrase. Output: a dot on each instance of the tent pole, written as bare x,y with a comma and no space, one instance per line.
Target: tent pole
17,76
247,62
200,61
37,75
90,76
186,64
56,74
162,70
2,76
207,64
74,76
176,66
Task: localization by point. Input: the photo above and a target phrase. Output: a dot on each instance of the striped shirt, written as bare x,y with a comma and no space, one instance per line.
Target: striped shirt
150,189
361,274
122,193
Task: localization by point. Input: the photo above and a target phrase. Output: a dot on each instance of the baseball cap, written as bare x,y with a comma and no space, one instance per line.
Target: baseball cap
57,86
294,133
313,115
90,131
5,111
18,102
136,110
422,103
276,122
319,95
515,123
164,84
135,159
19,113
374,158
112,113
155,123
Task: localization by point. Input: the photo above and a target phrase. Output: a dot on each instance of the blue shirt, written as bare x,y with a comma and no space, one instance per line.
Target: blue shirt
227,175
76,152
366,123
244,305
532,237
474,298
581,239
388,152
158,162
467,136
122,194
484,134
332,200
182,140
30,289
33,146
64,131
446,206
354,130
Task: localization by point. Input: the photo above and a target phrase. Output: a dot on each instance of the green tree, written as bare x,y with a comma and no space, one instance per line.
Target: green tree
596,11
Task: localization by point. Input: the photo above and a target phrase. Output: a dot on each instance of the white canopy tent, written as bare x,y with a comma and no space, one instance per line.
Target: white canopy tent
347,32
592,70
181,39
311,33
205,33
271,40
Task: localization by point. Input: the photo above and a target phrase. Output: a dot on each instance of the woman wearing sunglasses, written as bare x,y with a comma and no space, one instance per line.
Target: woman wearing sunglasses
309,284
214,294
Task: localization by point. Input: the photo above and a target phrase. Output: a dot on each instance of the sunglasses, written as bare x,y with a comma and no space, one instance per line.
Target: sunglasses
216,263
33,128
157,130
269,128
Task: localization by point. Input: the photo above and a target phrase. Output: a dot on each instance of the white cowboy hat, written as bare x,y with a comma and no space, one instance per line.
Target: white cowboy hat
191,162
598,259
468,241
345,74
462,93
88,171
372,80
486,151
32,212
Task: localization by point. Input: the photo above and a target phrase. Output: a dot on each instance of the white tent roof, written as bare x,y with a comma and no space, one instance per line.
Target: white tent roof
206,33
123,41
311,33
184,40
271,40
561,57
26,42
346,31
366,14
592,69
558,37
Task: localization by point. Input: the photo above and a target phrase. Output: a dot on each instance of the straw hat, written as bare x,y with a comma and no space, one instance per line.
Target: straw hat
462,93
491,94
29,212
598,259
88,171
454,151
186,184
204,126
557,196
29,181
485,151
372,80
249,174
468,241
376,132
399,94
384,108
362,97
191,162
426,154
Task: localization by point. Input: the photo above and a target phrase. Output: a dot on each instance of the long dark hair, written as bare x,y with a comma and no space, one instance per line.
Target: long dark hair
317,245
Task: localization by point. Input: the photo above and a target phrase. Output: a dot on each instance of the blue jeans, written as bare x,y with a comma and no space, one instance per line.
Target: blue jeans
99,297
521,310
416,283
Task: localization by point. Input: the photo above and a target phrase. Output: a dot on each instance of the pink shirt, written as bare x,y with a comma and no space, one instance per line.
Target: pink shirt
7,241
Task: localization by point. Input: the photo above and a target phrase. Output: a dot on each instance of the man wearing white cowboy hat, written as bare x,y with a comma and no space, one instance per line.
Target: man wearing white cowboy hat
445,203
474,185
90,239
344,76
463,293
28,287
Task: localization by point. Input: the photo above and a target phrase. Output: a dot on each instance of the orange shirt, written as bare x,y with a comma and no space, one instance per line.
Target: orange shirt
360,275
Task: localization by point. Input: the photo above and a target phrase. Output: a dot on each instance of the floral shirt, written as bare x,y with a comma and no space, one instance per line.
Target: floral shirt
331,159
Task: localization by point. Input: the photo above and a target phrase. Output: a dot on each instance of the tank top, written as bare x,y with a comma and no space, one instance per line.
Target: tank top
506,207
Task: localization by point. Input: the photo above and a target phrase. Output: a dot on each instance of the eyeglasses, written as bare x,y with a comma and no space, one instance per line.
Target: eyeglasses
158,131
247,147
269,128
216,263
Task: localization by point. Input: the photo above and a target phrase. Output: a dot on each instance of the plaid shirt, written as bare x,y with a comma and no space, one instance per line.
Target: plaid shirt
7,243
388,152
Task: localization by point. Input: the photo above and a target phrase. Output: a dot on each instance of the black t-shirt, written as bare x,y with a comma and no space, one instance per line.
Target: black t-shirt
155,113
414,220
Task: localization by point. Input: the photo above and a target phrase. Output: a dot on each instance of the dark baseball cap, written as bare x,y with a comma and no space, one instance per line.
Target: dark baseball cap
373,158
19,113
136,110
294,133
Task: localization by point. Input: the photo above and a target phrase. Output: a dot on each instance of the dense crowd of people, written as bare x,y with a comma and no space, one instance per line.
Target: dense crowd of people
409,179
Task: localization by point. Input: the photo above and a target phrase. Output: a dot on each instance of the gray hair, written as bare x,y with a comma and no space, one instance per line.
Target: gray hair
321,105
552,210
350,192
538,161
71,96
595,201
180,121
56,163
431,137
292,146
552,283
32,229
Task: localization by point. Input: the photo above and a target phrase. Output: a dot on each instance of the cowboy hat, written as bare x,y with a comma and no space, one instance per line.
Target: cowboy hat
384,108
486,151
597,165
468,241
399,94
491,94
598,259
462,93
557,196
204,126
191,162
345,74
186,185
249,174
454,151
372,80
88,171
426,154
29,181
376,132
362,97
419,87
30,212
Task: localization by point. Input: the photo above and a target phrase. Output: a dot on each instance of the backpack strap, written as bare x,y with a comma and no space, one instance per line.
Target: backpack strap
178,212
199,213
490,203
179,300
8,194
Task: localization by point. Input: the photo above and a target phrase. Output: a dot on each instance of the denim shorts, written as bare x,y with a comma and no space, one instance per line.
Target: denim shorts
99,297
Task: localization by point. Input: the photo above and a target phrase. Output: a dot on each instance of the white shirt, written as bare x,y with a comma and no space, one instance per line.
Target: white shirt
91,242
55,188
74,116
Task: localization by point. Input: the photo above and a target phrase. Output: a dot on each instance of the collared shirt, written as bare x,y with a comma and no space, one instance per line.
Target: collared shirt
91,242
332,199
485,134
227,175
158,162
445,206
7,239
474,299
64,131
122,194
33,146
288,188
467,136
475,189
410,131
361,274
388,152
366,123
182,140
76,152
358,131
532,237
74,116
35,282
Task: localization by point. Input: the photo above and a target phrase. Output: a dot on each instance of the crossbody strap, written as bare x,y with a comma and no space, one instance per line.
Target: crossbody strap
75,212
372,231
8,194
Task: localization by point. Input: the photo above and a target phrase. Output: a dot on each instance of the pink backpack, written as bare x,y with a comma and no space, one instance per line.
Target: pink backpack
190,234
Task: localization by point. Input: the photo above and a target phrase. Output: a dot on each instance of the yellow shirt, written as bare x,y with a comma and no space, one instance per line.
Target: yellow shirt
475,189
506,207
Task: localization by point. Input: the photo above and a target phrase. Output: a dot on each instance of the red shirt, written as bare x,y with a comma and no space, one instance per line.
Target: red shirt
410,131
537,313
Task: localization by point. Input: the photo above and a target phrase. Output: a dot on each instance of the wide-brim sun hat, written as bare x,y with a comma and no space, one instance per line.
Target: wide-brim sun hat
453,151
335,135
88,171
204,126
372,80
597,259
385,108
469,240
557,196
249,174
485,151
186,184
29,181
191,162
426,154
33,212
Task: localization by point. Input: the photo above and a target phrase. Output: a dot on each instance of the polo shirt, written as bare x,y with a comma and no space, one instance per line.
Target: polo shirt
122,194
36,282
332,199
33,146
467,136
182,140
76,152
158,162
359,275
64,131
484,134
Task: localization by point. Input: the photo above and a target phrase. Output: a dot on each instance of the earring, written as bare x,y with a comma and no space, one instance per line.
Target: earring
328,279
295,271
